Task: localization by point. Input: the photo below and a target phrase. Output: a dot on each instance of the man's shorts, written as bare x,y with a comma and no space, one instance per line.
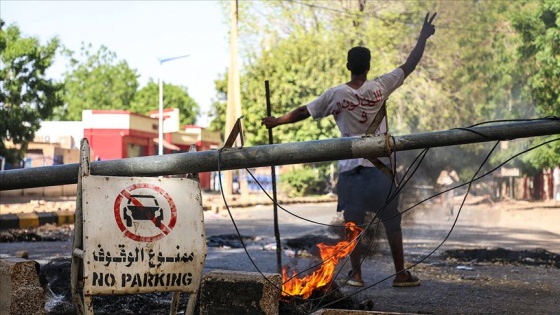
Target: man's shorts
367,189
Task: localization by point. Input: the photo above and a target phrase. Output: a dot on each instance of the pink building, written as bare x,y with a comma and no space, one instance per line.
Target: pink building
117,134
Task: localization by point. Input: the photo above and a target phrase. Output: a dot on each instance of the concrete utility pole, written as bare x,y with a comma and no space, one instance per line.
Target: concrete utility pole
233,110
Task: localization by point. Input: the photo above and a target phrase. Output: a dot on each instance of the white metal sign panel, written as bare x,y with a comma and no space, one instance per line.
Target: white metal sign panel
142,235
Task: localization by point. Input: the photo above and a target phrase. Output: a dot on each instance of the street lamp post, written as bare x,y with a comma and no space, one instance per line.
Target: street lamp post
161,61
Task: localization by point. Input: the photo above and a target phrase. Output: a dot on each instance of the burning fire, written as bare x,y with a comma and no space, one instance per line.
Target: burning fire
330,255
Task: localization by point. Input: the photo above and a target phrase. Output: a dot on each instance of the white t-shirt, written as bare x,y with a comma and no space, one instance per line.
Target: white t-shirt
556,175
354,110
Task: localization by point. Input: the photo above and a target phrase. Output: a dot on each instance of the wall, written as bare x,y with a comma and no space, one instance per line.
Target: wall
106,143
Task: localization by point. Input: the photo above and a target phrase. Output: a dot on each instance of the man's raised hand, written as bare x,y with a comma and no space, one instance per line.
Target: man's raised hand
428,29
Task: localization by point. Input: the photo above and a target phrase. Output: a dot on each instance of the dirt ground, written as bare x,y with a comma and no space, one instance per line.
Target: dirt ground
500,258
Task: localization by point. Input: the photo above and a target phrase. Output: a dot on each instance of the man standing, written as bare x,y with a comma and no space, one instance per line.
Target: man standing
361,186
445,181
556,182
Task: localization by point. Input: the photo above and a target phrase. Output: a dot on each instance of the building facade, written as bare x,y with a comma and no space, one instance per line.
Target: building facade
118,134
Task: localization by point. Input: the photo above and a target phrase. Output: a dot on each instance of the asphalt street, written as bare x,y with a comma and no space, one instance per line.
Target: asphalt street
257,223
478,285
426,231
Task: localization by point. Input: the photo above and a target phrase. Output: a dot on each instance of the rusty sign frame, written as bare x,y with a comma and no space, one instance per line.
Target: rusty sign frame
83,299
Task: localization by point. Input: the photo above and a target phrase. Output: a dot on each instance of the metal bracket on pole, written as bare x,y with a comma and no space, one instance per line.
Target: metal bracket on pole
373,127
237,130
195,176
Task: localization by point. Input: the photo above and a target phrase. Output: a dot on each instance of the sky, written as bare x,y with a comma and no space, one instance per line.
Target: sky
140,32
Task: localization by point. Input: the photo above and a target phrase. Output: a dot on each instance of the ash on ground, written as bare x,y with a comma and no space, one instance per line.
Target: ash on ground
55,278
229,240
537,257
45,233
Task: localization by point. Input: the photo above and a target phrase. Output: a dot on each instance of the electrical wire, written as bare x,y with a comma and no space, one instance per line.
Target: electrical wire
388,199
433,251
358,239
469,183
353,13
235,225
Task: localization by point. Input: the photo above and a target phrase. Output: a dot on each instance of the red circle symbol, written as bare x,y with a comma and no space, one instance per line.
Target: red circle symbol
144,207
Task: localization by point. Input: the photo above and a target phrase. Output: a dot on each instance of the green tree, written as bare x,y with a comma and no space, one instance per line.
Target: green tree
147,99
539,26
478,78
300,47
293,47
217,111
98,81
26,95
292,83
470,73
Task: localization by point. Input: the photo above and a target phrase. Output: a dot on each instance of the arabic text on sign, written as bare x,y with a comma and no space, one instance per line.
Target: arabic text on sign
139,255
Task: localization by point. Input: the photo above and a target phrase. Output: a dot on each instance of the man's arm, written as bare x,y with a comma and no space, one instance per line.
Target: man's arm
295,115
454,176
428,29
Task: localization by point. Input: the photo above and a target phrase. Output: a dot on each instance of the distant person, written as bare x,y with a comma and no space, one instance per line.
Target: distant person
556,181
361,186
446,180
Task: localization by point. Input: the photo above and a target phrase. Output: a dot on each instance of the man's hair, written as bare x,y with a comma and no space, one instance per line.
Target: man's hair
358,60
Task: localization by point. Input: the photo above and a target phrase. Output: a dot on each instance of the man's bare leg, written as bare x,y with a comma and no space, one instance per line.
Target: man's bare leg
355,260
396,245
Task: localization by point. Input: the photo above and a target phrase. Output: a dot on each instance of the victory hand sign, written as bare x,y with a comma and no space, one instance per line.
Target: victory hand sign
428,29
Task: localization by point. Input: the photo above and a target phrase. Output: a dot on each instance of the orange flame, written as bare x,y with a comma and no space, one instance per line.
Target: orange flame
330,255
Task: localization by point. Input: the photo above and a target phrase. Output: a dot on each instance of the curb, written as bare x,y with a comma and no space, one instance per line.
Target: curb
35,219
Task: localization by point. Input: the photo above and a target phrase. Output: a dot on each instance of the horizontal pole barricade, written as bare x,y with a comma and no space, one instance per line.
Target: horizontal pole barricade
276,154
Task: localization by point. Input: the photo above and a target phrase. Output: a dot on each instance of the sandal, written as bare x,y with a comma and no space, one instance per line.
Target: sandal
355,283
412,281
352,282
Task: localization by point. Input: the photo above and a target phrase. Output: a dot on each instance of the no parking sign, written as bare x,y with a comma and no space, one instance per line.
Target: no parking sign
133,206
142,235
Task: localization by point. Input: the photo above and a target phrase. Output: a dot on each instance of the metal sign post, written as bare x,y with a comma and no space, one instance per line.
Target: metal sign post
273,181
140,235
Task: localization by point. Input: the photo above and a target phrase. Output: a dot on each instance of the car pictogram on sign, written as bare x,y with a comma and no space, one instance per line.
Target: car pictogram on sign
139,212
147,209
